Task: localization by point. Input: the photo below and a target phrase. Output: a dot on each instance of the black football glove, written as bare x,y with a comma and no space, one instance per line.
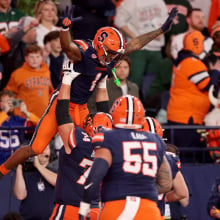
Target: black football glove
168,23
68,17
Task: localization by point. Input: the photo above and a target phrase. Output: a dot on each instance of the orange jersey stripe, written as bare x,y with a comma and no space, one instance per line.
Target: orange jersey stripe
72,140
82,44
98,138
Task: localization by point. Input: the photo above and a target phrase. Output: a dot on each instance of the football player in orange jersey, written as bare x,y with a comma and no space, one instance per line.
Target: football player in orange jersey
93,61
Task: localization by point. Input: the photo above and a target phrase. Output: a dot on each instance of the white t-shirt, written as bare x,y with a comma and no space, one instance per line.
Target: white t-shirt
41,32
143,16
124,89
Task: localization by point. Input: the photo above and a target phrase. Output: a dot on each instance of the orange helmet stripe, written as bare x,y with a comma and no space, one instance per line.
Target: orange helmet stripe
121,38
130,109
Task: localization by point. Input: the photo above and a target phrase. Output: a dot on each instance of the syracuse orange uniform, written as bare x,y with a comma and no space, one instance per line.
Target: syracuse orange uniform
187,96
73,169
91,72
129,188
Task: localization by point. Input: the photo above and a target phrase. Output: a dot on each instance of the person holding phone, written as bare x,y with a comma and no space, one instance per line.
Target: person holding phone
11,140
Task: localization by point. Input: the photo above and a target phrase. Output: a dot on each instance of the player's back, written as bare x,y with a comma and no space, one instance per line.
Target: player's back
73,169
136,157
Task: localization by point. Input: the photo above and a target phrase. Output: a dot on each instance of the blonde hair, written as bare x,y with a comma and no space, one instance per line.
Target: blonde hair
39,6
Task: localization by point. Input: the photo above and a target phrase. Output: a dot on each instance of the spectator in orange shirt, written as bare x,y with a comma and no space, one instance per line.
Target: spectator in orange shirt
31,82
189,102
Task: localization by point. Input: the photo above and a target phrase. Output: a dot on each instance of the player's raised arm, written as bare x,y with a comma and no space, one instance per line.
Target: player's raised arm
138,42
64,121
72,51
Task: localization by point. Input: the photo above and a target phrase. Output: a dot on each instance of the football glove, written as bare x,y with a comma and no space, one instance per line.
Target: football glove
68,17
168,23
68,73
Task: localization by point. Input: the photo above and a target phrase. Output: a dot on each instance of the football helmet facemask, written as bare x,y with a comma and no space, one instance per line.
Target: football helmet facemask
96,122
109,43
127,112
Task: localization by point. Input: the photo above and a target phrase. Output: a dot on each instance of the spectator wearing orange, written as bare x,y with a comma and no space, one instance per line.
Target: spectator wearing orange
31,82
189,102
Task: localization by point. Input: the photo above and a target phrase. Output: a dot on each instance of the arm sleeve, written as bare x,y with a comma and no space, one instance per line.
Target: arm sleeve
92,186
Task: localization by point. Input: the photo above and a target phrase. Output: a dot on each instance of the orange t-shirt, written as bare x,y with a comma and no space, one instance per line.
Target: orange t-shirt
186,96
32,86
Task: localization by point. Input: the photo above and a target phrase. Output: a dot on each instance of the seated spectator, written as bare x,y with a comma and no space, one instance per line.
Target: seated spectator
122,71
9,16
11,140
19,38
46,13
31,82
55,56
196,21
213,205
34,186
189,102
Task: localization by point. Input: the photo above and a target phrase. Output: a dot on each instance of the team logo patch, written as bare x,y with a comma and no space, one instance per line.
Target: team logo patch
41,186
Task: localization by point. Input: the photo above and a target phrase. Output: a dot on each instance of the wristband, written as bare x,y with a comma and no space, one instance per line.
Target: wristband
84,208
67,80
65,29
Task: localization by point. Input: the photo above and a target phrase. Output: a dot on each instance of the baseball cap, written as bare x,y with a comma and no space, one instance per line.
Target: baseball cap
193,41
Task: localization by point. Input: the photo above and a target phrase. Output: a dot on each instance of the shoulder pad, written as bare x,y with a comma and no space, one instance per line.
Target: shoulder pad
81,44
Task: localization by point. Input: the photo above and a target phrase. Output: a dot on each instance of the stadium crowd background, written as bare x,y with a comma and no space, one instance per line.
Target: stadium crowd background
148,73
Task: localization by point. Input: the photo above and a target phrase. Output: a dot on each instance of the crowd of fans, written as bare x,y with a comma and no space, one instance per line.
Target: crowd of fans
176,75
